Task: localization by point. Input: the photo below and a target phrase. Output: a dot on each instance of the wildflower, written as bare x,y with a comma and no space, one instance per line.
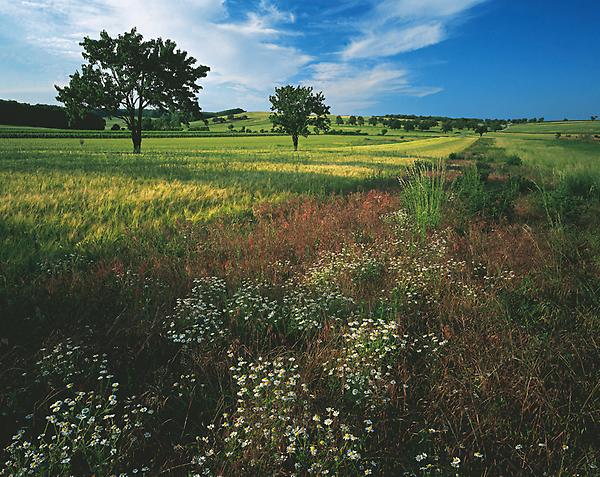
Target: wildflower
455,462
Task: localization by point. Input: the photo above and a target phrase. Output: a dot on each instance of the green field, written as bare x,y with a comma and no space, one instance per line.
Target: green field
225,303
553,127
548,154
60,197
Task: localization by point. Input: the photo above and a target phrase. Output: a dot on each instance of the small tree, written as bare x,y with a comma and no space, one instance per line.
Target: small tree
352,120
594,118
125,75
409,126
373,121
339,120
423,125
447,127
384,131
481,130
558,135
394,124
295,108
360,120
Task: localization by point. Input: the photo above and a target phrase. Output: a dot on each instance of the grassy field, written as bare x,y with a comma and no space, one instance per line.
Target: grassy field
553,155
60,197
260,120
225,306
553,127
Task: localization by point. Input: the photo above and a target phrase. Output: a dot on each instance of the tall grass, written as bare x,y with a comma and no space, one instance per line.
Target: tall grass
423,194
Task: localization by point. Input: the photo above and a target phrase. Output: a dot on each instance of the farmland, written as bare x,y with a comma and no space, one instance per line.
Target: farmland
553,127
226,305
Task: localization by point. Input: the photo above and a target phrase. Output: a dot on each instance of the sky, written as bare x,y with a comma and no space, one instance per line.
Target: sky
459,58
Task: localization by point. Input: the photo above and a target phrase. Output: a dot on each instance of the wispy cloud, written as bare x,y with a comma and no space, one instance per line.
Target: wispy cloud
352,88
400,26
254,48
394,41
368,68
246,57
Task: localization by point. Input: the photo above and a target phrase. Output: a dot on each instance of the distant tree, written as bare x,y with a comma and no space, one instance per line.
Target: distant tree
541,120
230,117
447,127
360,120
339,120
593,118
230,127
394,123
352,120
423,125
409,126
147,123
384,132
558,135
373,121
295,108
125,75
89,120
115,127
481,130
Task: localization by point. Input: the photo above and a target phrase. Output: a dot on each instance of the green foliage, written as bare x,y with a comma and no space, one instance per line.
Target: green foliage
128,72
423,195
295,108
565,203
481,129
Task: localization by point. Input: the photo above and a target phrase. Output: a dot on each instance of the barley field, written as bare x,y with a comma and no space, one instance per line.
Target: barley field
369,305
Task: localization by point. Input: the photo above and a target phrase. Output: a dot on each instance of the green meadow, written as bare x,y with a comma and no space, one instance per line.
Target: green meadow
61,196
553,127
376,291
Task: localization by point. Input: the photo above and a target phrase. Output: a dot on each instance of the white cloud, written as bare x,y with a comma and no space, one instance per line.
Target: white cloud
352,88
399,26
392,42
424,8
246,58
251,54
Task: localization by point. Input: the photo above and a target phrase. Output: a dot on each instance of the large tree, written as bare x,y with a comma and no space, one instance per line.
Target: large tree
295,108
126,74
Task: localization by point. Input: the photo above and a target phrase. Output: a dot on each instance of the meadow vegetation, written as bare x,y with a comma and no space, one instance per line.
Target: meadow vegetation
365,306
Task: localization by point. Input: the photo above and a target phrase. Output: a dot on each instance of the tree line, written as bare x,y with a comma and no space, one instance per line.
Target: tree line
47,116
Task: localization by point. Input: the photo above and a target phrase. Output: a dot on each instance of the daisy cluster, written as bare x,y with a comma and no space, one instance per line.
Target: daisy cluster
274,429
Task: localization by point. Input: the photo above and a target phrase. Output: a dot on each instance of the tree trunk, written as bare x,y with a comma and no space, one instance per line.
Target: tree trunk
136,137
295,139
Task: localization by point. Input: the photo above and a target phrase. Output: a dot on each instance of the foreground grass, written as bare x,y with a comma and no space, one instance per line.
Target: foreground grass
318,335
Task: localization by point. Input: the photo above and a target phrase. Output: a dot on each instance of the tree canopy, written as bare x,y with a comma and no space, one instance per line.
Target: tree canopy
126,74
296,108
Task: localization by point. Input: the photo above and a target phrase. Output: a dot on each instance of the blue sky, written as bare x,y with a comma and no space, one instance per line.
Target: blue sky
475,58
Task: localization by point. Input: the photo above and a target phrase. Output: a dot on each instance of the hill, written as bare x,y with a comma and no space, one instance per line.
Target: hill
553,127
